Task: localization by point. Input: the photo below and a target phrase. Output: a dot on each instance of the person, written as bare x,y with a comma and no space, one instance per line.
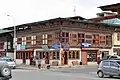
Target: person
39,63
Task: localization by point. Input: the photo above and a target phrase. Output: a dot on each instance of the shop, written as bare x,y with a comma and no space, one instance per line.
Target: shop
104,52
89,55
51,56
59,57
2,53
24,56
71,57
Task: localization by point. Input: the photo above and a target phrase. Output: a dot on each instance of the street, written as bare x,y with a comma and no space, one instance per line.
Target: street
81,73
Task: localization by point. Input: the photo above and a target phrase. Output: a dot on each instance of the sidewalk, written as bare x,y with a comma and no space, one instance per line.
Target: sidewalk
31,67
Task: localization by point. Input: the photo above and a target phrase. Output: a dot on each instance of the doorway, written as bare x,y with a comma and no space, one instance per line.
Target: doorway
24,58
46,58
65,58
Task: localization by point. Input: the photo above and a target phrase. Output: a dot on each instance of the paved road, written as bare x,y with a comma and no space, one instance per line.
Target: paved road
87,73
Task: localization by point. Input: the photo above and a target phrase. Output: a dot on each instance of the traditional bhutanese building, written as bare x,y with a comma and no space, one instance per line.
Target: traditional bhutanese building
113,20
63,41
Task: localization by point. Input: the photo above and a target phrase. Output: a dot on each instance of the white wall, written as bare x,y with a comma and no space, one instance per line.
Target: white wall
70,61
55,60
27,61
19,61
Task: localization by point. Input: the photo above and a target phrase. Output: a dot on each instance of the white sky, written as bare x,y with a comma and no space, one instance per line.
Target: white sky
25,11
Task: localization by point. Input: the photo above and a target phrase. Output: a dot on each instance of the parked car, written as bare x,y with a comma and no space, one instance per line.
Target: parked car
109,67
108,58
10,62
5,71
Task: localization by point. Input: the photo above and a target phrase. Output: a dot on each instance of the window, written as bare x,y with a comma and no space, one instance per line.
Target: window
79,35
83,40
89,36
63,34
58,56
57,35
74,35
118,36
83,35
44,37
55,55
113,64
67,34
106,63
73,55
89,41
70,54
77,54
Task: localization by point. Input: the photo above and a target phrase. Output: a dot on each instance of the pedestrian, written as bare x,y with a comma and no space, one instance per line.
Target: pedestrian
39,63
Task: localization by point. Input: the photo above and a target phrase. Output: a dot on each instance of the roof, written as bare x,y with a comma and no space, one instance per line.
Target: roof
76,17
58,19
103,18
112,7
4,31
115,21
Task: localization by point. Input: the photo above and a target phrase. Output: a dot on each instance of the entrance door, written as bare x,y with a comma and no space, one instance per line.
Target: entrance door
65,58
46,58
24,57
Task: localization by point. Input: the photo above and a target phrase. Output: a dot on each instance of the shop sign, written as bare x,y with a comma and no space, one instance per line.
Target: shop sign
45,47
66,47
21,46
85,45
56,45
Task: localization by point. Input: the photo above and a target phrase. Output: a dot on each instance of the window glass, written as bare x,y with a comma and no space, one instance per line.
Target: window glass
70,54
105,63
118,62
113,64
54,55
57,55
73,54
77,54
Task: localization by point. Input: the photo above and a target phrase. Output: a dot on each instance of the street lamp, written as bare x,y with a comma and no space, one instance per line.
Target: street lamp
14,40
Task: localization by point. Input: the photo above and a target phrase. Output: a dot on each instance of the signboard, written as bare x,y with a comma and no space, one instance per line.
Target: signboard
66,47
56,45
85,45
21,46
45,47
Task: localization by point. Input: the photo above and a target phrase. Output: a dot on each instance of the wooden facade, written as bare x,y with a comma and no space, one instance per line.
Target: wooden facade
64,30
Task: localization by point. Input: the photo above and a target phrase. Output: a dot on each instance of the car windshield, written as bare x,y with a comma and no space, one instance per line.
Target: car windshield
6,59
118,62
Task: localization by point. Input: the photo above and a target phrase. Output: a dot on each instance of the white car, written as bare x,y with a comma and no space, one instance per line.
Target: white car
10,62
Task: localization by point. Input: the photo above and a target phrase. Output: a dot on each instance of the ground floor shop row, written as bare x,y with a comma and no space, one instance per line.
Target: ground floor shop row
73,56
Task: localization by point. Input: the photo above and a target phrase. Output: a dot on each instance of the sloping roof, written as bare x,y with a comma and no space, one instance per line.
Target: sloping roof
4,31
103,18
113,22
112,7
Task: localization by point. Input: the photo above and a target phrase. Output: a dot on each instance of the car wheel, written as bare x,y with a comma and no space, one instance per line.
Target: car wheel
5,71
100,74
110,76
14,67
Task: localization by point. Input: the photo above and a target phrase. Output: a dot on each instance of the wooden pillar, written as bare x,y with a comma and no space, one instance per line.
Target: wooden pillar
84,57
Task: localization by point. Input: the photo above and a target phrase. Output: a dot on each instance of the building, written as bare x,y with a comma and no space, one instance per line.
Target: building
114,21
63,41
6,43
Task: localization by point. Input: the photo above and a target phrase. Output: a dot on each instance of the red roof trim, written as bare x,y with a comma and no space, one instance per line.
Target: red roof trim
103,18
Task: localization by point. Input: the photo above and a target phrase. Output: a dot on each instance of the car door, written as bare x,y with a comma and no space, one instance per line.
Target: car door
106,67
114,69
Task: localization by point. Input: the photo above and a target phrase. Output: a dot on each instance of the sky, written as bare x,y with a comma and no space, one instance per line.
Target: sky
27,11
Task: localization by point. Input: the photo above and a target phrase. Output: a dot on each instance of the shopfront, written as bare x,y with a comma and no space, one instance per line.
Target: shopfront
50,56
89,55
24,56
